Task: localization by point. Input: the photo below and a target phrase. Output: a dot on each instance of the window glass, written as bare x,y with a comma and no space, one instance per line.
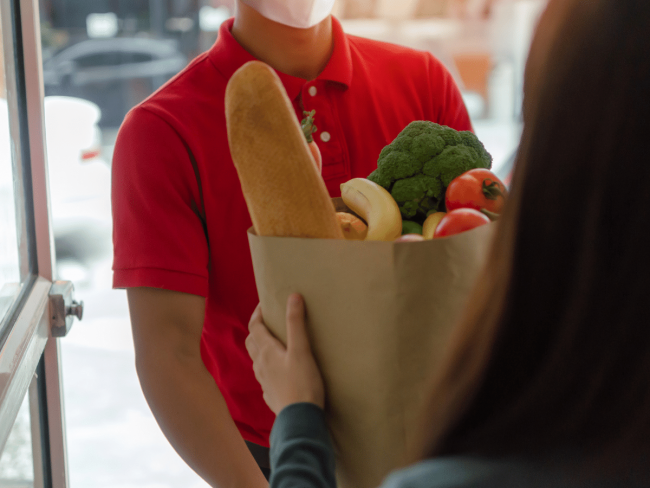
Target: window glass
82,34
99,59
483,43
124,51
14,269
9,255
137,57
16,459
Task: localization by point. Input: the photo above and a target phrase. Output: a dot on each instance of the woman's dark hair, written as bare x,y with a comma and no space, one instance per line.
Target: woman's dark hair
554,349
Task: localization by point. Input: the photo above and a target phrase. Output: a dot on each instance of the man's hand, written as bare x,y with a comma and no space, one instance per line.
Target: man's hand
287,374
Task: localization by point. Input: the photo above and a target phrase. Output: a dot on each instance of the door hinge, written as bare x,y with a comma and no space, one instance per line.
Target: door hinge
63,308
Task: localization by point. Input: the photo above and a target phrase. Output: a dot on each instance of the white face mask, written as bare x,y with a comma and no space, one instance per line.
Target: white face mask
301,14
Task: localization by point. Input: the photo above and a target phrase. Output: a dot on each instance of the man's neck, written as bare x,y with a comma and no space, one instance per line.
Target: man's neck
302,53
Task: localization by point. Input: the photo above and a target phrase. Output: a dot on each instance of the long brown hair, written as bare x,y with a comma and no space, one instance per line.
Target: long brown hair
554,349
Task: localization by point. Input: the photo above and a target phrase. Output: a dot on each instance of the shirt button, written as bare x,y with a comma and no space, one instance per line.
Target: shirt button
313,91
325,136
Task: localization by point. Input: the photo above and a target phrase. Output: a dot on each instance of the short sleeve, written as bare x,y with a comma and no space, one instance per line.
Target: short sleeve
158,235
448,105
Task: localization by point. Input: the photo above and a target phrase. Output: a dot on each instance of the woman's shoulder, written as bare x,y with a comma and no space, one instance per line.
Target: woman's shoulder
476,472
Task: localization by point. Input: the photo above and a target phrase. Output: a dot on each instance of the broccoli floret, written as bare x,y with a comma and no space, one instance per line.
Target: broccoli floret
426,147
399,164
470,140
453,162
450,136
416,188
417,194
409,209
420,163
381,179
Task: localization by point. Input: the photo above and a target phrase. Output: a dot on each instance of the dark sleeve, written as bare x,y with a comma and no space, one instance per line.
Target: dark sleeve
302,455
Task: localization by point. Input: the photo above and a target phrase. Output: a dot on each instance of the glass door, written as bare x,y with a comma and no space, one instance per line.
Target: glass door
34,310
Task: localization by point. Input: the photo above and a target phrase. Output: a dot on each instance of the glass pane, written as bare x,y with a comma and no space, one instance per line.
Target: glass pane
100,59
17,460
104,58
13,249
9,260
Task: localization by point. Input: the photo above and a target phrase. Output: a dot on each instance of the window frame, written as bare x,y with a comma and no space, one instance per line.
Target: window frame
29,351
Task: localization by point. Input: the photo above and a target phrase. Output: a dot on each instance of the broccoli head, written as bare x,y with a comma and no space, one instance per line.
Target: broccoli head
419,164
453,161
416,194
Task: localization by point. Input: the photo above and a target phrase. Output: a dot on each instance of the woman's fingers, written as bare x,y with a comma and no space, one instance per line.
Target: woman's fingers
259,338
256,317
296,335
286,375
251,347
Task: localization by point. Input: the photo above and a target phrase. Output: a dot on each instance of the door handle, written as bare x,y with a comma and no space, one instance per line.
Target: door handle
63,308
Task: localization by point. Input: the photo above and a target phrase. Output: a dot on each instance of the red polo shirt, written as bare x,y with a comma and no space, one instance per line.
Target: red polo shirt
172,154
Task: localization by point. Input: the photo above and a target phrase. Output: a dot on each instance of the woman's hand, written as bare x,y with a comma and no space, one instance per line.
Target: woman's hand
287,374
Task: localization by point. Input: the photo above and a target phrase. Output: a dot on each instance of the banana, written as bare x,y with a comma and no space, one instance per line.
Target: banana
430,224
376,206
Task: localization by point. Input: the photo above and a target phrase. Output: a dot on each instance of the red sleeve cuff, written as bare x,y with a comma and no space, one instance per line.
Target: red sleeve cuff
161,278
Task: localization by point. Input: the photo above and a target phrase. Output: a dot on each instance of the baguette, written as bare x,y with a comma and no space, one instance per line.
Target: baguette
285,194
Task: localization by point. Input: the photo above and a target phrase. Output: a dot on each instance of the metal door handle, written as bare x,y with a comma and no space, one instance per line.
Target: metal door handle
63,308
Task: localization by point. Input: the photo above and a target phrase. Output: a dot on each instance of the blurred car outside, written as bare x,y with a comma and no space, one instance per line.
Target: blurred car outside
114,73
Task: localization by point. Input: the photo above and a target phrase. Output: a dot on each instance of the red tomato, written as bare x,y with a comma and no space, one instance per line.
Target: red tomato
477,188
460,220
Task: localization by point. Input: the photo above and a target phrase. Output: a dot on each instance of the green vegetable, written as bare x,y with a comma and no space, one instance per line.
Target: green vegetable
307,125
409,227
419,164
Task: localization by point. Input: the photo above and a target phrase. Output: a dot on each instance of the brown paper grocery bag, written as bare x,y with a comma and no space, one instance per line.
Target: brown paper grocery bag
379,315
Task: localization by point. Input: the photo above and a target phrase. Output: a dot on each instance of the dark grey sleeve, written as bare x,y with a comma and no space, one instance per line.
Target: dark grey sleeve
302,455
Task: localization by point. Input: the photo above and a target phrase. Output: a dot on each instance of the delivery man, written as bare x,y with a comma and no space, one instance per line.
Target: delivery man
180,218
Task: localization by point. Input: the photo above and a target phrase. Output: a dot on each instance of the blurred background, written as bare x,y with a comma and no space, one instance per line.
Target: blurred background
102,57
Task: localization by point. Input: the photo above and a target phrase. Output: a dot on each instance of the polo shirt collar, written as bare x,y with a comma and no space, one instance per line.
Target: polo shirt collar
227,56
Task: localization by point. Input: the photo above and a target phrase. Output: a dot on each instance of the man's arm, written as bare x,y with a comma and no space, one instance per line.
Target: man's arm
181,393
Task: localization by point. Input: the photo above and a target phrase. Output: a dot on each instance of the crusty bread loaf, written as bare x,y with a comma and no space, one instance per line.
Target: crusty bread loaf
285,194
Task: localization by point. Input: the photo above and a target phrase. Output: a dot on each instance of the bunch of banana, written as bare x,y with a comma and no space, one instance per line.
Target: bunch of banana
376,206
